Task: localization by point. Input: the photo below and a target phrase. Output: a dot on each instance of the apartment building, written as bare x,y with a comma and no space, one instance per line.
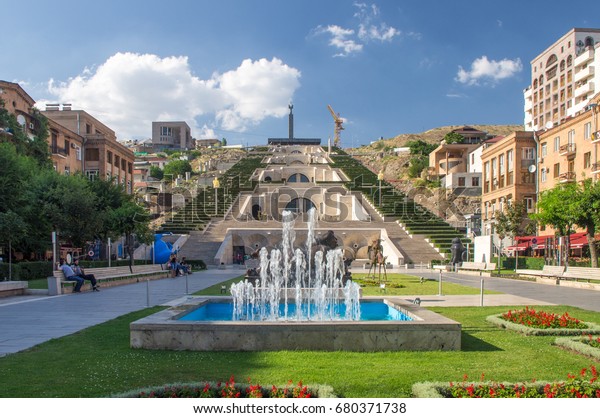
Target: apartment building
103,155
65,145
172,136
563,79
509,166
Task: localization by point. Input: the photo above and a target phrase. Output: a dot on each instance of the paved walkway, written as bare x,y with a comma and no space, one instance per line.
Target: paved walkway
30,320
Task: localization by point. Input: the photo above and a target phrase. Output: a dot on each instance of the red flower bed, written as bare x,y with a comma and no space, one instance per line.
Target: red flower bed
540,319
592,342
229,389
585,385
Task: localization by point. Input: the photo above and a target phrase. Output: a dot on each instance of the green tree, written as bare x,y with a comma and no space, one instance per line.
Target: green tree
586,211
420,147
224,141
69,206
156,172
12,228
513,222
176,168
556,207
131,219
454,138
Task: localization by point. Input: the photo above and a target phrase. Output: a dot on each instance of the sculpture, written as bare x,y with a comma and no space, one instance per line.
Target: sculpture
457,250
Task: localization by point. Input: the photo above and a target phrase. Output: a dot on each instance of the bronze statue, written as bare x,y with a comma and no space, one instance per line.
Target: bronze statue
457,250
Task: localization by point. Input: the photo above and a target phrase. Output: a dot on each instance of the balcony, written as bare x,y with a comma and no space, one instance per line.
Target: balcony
586,89
595,168
568,177
584,73
56,150
596,137
567,150
586,56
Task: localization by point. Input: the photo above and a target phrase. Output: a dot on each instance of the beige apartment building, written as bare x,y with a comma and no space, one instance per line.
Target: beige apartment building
563,79
509,165
65,145
172,136
103,155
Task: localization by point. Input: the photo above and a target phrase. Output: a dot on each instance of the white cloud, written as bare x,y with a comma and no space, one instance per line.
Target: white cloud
488,72
369,28
339,38
129,91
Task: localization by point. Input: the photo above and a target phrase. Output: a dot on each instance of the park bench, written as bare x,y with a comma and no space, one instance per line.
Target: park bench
109,276
581,273
472,266
547,271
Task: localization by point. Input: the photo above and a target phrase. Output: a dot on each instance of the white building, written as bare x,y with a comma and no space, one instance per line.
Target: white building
563,79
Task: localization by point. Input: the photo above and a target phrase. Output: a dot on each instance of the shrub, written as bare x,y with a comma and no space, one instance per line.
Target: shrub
540,319
229,389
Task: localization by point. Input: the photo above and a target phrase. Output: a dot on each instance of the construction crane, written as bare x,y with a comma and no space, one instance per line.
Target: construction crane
338,126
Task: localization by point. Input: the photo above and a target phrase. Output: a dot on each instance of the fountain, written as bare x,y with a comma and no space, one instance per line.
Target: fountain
297,299
319,293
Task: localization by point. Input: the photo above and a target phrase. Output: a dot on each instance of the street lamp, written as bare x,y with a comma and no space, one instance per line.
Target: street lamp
216,185
380,178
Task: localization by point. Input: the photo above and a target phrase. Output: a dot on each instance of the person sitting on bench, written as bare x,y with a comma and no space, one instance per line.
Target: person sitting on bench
81,273
71,276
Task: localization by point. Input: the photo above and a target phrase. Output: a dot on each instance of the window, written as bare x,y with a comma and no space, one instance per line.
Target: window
557,144
475,182
544,175
556,170
587,159
78,153
510,160
88,128
92,154
501,163
571,136
587,131
529,204
109,157
528,153
67,147
91,174
544,149
461,181
166,131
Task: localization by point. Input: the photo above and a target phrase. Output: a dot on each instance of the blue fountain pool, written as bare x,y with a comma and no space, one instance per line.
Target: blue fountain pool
376,310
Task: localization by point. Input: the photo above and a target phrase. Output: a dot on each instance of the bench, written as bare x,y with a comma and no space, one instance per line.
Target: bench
480,268
582,273
109,276
472,265
547,271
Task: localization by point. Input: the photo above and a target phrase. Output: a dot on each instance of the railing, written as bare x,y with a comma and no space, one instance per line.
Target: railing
567,177
567,149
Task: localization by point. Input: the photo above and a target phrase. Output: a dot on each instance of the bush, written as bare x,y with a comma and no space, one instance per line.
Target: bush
27,270
197,264
229,389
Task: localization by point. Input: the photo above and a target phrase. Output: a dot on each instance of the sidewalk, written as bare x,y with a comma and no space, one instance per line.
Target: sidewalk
32,319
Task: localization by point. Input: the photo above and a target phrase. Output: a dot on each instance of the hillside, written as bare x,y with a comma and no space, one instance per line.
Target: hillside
435,135
379,156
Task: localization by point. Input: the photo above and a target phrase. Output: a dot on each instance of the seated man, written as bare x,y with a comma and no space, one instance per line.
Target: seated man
81,273
70,275
184,266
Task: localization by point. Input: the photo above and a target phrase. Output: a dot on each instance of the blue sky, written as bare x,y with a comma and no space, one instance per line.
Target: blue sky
229,68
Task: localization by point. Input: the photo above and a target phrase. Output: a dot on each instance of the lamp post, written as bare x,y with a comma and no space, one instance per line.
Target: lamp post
216,185
380,178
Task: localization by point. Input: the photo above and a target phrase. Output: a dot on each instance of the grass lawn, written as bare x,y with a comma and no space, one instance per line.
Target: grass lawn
98,361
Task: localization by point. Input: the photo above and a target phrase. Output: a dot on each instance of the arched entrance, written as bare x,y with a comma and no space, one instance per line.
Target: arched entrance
297,178
299,205
256,211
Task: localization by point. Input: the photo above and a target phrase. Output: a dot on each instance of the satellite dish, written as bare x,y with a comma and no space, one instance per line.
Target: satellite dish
532,168
549,125
21,120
